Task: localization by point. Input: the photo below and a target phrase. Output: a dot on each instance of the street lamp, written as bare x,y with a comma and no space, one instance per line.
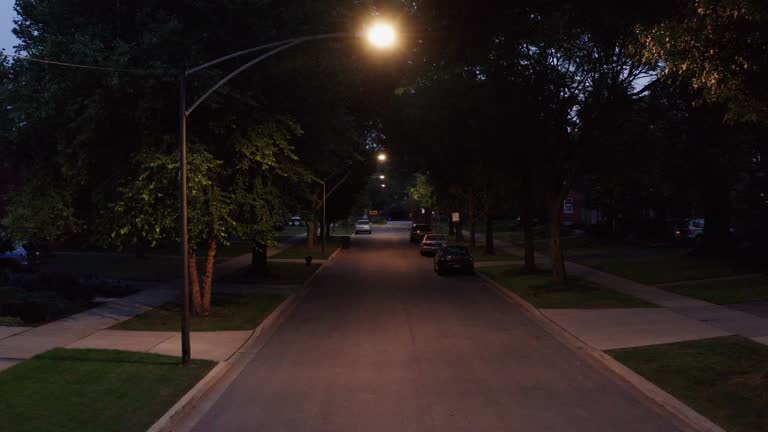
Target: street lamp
380,35
381,177
383,185
382,157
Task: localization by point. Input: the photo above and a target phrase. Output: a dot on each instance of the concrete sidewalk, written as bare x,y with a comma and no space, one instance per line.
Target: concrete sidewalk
217,346
20,343
89,329
680,318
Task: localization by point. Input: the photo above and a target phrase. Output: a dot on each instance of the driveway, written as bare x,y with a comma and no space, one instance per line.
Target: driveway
381,343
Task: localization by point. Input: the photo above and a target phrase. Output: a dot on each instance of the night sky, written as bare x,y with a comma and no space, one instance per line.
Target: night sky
7,40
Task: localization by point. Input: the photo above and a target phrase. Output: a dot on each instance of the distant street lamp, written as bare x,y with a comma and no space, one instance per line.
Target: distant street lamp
380,35
383,185
382,157
381,177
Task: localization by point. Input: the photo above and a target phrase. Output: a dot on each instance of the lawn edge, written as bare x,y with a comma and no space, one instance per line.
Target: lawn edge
182,415
660,399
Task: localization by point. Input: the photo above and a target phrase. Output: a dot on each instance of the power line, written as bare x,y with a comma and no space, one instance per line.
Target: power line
58,63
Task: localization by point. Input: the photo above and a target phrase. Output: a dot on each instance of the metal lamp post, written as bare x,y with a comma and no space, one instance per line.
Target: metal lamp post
379,35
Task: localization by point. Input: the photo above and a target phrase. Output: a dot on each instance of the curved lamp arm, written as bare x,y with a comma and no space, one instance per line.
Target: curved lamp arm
281,46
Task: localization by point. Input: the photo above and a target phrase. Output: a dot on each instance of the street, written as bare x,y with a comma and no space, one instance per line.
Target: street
381,343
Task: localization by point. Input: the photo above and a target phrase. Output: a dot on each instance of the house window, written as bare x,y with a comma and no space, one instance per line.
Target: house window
568,206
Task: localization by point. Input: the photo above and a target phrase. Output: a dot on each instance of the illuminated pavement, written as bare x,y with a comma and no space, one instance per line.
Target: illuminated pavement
381,343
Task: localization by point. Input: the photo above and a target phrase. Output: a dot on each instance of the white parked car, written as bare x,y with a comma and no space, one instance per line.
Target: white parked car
432,243
363,226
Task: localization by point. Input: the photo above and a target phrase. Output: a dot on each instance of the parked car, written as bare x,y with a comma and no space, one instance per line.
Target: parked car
295,221
418,231
454,259
432,243
690,230
22,258
363,225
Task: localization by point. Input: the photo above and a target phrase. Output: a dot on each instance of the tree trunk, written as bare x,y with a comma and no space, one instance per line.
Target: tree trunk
311,234
526,224
555,247
210,263
428,215
451,228
458,228
194,281
141,248
472,221
259,258
717,227
489,248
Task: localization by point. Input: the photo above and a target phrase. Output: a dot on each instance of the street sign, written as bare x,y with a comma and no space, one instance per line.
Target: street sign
455,217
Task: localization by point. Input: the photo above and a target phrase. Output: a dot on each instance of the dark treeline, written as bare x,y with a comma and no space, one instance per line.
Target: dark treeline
659,110
503,107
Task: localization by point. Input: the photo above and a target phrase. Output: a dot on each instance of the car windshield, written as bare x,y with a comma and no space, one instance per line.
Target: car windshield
363,222
436,238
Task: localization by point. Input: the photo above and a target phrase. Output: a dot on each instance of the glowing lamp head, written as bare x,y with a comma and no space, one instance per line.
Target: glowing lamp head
383,185
381,177
381,157
382,35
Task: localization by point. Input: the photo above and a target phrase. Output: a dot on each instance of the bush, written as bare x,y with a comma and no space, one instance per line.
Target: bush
10,321
378,220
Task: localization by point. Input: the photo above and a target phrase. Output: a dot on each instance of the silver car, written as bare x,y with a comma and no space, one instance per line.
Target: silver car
432,243
363,226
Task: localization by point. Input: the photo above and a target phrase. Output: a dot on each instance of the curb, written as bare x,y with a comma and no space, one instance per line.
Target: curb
180,411
668,403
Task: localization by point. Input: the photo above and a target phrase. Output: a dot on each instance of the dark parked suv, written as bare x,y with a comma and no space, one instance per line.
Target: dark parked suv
454,259
418,231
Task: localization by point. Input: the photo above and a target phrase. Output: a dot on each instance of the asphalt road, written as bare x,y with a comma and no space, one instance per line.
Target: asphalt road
381,343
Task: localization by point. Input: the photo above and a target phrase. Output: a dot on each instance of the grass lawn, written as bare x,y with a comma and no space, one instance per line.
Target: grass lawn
538,290
93,390
722,292
661,269
719,378
115,266
300,250
289,232
478,252
278,273
228,312
234,249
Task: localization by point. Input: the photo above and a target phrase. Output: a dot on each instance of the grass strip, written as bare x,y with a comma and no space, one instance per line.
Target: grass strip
725,379
93,390
729,291
539,290
229,312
